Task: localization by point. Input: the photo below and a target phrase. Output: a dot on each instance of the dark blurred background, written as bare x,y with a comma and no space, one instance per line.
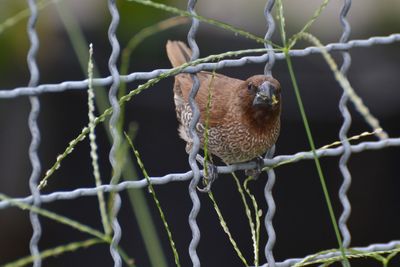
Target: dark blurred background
301,222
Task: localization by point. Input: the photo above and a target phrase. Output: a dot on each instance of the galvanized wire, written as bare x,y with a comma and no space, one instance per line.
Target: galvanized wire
270,213
181,177
82,85
371,248
33,90
195,142
116,137
343,132
271,173
35,133
270,31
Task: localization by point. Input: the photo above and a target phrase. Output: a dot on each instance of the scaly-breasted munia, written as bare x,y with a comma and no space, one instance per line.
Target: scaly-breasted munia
243,116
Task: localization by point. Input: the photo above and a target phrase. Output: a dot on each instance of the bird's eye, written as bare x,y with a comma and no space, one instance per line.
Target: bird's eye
250,87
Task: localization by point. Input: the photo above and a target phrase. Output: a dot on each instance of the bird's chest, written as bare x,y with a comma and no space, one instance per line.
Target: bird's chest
235,142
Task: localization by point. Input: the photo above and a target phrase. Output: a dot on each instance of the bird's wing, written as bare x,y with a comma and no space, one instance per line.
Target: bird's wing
214,88
221,87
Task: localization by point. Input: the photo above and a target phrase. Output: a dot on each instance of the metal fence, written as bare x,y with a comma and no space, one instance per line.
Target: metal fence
34,89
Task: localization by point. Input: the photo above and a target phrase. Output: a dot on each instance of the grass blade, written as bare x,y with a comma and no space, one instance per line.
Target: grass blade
56,251
157,202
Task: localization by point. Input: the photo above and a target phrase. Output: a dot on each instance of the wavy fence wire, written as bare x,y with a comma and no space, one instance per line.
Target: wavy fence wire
33,90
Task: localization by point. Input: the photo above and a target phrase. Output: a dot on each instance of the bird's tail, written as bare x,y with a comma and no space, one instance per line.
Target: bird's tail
178,53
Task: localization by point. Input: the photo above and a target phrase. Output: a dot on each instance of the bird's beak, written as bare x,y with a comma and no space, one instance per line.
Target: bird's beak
265,96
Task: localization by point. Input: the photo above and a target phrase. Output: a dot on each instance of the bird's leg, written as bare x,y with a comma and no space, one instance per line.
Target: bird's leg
209,178
210,174
188,147
210,171
257,171
260,163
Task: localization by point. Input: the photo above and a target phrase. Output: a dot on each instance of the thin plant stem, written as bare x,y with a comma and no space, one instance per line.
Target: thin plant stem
156,201
281,19
56,251
310,258
66,221
352,254
141,211
23,14
333,144
257,215
389,258
59,218
93,146
316,159
248,215
71,247
207,155
310,138
219,24
345,84
292,41
226,229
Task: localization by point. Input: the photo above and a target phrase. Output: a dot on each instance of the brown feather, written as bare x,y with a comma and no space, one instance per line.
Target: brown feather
178,53
238,131
259,119
220,87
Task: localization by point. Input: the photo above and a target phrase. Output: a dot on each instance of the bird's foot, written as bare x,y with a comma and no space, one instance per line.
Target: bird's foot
257,171
210,175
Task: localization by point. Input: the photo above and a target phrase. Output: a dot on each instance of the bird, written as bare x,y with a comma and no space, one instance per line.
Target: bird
242,117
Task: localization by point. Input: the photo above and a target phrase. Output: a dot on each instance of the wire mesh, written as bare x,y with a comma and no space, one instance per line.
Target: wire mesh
196,142
343,133
34,129
345,150
116,138
271,173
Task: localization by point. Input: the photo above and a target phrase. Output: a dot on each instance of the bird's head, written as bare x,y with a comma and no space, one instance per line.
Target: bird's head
264,92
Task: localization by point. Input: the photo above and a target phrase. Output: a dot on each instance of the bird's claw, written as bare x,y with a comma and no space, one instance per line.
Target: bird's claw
257,171
209,177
